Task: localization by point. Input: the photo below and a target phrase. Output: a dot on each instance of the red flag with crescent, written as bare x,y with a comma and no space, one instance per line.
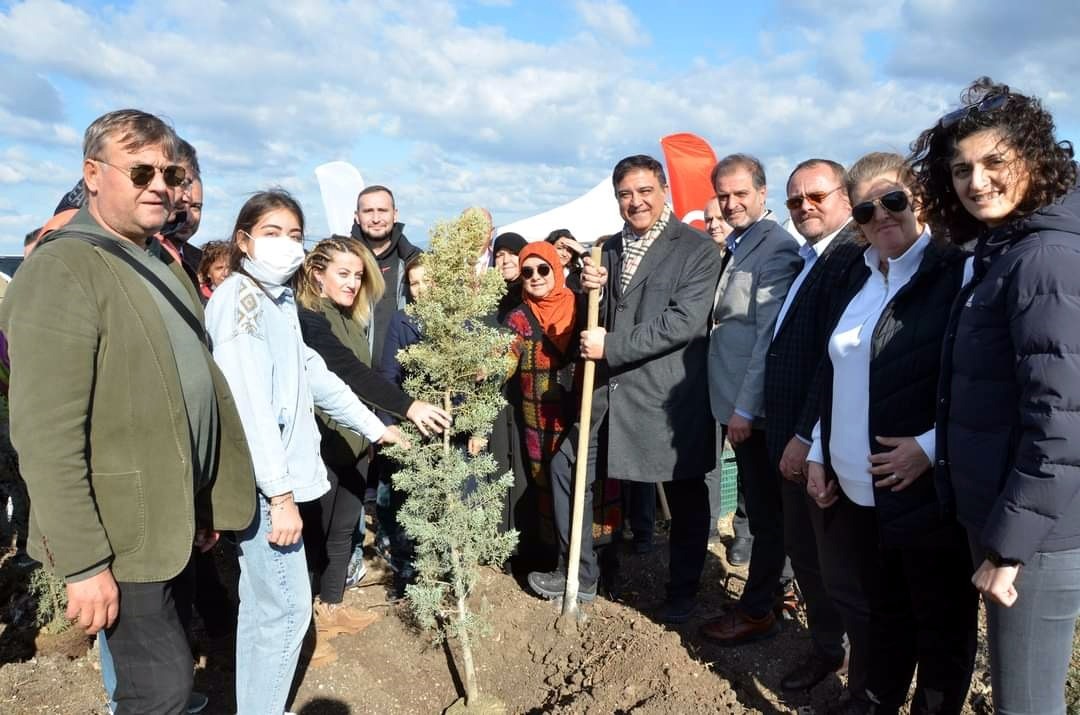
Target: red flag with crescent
690,161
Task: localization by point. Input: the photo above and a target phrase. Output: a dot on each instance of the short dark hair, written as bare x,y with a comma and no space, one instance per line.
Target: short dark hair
838,169
638,161
1026,128
32,236
186,154
558,233
734,162
376,189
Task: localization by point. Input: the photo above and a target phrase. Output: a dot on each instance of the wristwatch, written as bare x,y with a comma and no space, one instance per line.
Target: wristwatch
997,560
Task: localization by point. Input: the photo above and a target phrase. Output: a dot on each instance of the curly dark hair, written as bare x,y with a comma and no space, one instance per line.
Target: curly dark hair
1026,127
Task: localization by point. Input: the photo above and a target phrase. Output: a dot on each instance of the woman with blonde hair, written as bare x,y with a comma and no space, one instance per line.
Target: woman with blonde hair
337,288
871,463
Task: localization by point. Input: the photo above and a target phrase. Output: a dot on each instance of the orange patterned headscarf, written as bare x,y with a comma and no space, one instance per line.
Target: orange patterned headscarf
555,311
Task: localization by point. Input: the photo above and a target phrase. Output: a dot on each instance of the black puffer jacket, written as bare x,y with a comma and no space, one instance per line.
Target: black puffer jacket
905,357
392,262
1009,404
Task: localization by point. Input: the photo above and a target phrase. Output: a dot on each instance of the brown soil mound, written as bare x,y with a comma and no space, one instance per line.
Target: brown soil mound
619,660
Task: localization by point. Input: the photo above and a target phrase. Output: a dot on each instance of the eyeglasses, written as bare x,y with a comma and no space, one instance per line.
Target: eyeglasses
814,197
543,269
986,104
142,174
895,201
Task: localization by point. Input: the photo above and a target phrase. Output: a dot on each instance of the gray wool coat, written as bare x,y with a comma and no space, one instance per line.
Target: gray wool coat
652,384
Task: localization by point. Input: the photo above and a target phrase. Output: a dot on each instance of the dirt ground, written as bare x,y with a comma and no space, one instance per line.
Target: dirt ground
620,661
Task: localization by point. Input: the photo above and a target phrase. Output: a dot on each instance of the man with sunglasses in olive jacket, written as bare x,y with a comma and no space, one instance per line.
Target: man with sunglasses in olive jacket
104,340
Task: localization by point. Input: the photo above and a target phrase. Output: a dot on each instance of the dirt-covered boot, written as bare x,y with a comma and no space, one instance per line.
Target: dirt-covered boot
333,619
318,649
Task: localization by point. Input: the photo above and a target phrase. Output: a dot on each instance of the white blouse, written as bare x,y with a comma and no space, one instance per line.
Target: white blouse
849,350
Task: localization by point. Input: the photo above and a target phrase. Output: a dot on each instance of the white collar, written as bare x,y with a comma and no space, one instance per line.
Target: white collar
904,264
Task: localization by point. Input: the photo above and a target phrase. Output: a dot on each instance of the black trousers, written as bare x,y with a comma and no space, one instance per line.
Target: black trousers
150,651
764,508
562,495
902,606
923,611
202,588
804,528
329,524
640,503
688,499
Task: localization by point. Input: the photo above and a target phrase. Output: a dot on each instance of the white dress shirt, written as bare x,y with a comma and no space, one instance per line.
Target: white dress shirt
810,252
849,351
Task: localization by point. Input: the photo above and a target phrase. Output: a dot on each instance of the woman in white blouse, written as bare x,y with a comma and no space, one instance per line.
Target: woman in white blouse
870,464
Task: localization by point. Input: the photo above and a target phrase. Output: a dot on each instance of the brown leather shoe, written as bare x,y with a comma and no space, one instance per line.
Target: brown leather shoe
737,628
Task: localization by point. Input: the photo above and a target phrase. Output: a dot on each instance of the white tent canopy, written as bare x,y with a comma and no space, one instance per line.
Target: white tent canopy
588,217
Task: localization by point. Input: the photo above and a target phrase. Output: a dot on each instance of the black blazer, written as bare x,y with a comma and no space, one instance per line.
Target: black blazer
799,345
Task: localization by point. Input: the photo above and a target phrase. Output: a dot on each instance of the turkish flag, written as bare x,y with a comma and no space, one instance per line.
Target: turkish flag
690,161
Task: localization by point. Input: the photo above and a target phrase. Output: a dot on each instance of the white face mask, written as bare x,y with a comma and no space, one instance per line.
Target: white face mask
273,259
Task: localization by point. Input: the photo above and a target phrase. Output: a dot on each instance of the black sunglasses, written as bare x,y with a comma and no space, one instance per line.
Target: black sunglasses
142,174
895,201
986,104
543,269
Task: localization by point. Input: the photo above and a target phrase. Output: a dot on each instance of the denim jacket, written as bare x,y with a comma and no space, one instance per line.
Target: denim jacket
277,380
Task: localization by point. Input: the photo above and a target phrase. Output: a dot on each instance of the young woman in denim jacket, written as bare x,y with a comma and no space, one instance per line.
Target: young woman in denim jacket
277,381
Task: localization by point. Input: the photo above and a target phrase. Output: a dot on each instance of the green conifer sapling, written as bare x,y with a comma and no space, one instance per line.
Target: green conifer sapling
454,501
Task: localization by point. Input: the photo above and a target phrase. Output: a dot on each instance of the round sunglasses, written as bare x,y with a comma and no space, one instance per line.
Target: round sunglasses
895,201
543,270
142,174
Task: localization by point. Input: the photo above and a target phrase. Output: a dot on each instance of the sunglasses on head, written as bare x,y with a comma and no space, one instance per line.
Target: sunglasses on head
894,201
814,197
543,270
986,104
142,174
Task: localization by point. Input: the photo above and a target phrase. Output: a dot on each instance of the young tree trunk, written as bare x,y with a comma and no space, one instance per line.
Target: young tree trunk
471,689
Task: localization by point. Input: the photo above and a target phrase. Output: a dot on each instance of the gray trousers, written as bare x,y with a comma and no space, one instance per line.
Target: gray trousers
1031,642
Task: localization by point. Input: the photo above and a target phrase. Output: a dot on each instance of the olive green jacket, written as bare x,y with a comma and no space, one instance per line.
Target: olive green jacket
99,422
341,447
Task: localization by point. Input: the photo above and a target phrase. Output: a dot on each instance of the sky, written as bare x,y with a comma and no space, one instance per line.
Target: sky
518,106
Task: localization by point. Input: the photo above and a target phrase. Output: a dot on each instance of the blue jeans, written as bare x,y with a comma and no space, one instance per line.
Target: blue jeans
108,670
275,611
1031,642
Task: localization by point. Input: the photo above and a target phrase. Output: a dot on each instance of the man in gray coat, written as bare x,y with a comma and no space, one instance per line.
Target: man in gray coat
760,264
651,397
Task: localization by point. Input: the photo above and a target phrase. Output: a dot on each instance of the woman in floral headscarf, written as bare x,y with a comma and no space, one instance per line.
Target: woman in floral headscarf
545,323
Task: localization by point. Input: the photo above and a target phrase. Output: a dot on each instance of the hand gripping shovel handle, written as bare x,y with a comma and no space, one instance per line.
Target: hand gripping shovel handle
581,465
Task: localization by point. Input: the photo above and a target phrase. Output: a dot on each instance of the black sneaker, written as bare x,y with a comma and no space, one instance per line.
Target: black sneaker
552,585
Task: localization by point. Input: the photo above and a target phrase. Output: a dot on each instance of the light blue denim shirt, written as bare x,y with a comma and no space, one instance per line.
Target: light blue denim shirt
276,380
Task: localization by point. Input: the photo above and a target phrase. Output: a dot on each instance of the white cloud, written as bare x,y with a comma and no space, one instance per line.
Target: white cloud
452,114
610,18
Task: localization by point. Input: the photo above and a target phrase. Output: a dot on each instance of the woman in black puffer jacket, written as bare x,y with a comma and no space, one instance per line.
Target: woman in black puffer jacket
1008,441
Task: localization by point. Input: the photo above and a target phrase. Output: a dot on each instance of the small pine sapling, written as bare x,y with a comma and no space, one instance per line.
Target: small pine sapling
454,502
